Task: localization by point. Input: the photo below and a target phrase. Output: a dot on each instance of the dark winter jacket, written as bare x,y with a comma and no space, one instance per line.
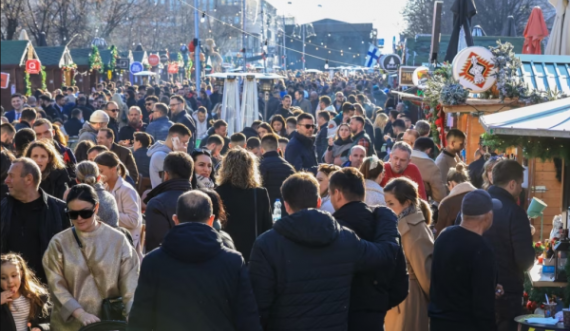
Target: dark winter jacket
55,184
369,290
55,220
114,125
142,161
72,127
240,207
274,170
379,142
249,132
322,142
38,321
286,113
302,271
369,129
300,152
161,205
511,240
127,158
194,282
188,121
22,125
68,158
158,128
476,172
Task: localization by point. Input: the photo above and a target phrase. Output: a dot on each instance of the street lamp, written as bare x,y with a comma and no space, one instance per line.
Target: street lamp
266,86
203,19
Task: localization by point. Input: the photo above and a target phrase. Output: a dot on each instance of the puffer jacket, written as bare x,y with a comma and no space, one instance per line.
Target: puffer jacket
511,240
302,270
87,133
300,152
274,170
161,206
193,282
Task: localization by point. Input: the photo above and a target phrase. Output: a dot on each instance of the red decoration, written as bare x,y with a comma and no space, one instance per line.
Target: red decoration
191,47
153,60
173,68
33,67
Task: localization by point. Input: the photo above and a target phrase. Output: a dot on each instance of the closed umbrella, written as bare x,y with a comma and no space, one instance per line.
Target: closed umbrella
534,32
463,11
559,41
510,29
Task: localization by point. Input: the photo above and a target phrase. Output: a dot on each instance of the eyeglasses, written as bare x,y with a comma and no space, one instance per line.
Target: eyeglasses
308,126
113,110
85,214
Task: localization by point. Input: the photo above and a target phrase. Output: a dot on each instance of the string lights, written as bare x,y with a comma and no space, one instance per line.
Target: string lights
204,14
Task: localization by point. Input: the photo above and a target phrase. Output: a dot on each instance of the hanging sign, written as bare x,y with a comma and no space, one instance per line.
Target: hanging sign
154,60
136,67
405,75
122,63
33,67
420,77
173,68
473,68
5,81
109,74
390,62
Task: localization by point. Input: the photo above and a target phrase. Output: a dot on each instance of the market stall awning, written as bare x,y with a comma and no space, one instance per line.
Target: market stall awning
551,119
543,72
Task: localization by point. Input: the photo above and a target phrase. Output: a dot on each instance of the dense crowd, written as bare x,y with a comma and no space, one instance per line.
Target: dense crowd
135,203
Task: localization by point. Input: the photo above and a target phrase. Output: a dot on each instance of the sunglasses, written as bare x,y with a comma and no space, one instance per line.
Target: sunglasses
114,110
85,214
308,126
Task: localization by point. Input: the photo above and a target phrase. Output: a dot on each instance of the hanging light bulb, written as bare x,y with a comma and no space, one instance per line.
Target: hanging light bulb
327,65
203,19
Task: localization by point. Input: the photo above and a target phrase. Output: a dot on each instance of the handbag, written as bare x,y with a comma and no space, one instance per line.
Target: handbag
112,309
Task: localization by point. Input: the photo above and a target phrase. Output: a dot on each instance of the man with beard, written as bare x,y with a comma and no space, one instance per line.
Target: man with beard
400,166
7,133
135,124
285,107
112,109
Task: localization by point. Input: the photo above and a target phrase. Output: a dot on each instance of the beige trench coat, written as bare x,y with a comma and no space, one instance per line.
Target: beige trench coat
417,240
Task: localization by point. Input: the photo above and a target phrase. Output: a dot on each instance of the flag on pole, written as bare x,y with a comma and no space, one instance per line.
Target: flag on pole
372,57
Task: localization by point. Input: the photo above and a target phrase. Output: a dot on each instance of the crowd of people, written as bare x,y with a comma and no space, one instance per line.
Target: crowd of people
136,203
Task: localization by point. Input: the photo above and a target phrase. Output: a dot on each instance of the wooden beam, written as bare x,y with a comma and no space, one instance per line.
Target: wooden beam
436,31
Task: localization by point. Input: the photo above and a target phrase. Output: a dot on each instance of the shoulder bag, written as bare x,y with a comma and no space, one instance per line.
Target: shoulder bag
112,309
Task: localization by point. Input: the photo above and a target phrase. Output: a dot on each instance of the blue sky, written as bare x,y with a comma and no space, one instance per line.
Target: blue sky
384,14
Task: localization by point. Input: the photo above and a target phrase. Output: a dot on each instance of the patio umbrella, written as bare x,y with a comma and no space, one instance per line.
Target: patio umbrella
463,11
534,32
510,29
559,41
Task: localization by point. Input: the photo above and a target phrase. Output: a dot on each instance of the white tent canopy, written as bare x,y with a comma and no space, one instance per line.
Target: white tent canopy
551,119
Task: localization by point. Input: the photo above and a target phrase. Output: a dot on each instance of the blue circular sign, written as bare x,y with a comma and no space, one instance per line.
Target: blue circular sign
136,67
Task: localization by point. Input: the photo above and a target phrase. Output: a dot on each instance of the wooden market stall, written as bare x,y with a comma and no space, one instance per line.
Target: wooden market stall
58,65
85,78
13,57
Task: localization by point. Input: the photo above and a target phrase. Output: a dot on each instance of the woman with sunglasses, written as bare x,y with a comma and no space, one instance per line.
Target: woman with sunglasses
339,148
203,166
113,174
87,264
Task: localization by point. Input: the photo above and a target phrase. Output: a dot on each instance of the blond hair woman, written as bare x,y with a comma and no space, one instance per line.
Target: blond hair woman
247,203
379,126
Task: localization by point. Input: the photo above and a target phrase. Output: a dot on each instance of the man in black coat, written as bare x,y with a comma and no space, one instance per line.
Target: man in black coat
369,300
29,217
161,201
273,105
300,152
511,239
180,115
322,141
192,280
274,169
284,110
302,270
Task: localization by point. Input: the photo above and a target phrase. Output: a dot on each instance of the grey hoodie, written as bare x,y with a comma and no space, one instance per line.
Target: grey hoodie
87,133
157,154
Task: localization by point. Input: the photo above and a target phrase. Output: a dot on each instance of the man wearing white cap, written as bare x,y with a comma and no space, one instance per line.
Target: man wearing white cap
98,120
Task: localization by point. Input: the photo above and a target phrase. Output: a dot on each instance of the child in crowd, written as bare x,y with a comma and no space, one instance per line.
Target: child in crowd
24,299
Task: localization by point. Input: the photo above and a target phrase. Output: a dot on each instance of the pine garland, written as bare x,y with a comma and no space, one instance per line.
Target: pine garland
114,56
28,84
95,62
44,75
544,148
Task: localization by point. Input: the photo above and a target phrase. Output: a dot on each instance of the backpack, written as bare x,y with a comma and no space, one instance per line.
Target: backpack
398,278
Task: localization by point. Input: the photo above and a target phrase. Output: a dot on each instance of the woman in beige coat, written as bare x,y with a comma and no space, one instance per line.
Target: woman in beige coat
414,216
